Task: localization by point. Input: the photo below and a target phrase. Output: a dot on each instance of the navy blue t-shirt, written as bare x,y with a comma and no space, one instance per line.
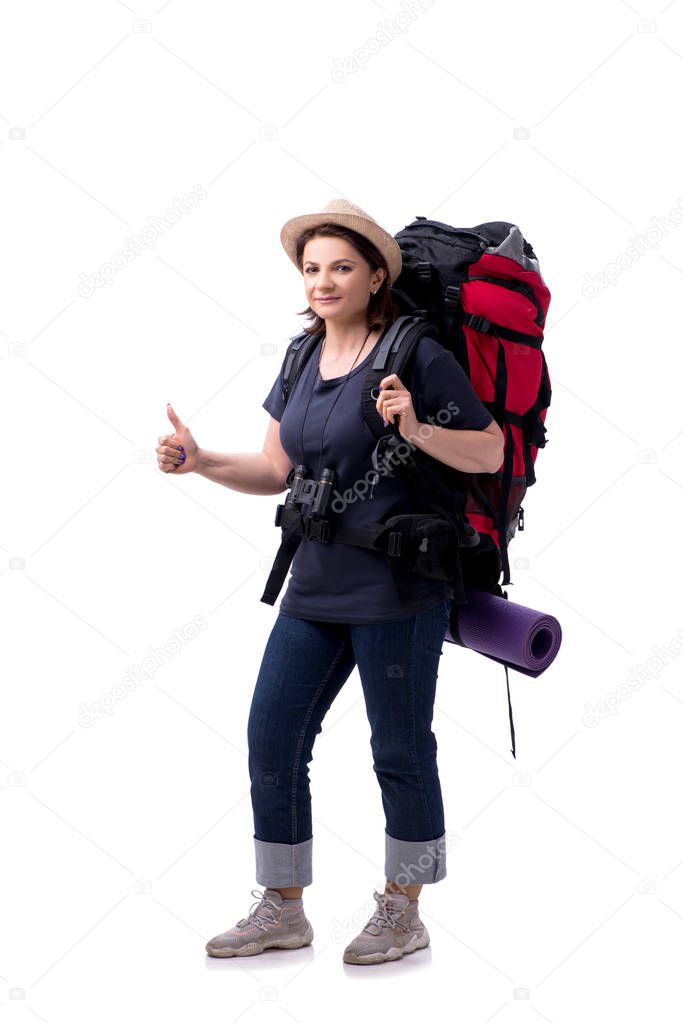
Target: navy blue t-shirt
336,582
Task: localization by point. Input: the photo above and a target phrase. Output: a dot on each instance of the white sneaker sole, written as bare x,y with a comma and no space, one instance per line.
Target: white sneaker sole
415,943
254,948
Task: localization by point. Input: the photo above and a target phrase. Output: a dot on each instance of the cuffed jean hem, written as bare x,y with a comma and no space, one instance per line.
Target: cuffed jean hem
279,865
408,863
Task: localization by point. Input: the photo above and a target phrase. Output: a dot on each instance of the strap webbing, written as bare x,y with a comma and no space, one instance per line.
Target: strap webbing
512,727
457,638
283,559
295,526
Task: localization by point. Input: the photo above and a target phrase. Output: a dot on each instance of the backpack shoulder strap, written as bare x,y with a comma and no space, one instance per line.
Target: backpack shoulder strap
422,474
296,357
393,355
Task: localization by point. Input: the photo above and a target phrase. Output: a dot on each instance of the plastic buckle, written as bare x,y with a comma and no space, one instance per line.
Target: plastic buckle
324,531
394,545
479,323
316,529
452,295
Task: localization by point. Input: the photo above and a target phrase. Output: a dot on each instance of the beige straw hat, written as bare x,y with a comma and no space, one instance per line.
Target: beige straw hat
346,213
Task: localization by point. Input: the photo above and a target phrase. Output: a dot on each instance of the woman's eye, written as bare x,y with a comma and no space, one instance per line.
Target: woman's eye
342,266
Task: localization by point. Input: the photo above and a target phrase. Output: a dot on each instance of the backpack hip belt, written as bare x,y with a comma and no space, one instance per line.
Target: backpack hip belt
422,544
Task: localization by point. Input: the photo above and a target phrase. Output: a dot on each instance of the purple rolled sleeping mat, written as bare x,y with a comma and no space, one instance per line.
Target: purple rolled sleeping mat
513,635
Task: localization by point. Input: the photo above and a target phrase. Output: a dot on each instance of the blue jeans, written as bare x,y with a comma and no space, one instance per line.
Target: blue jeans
304,666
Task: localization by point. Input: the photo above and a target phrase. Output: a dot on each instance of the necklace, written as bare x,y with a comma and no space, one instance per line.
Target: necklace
301,441
322,352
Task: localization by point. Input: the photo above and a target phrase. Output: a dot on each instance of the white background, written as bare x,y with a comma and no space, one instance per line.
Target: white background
128,839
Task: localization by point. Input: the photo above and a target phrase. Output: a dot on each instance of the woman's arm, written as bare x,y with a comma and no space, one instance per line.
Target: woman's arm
466,450
250,473
258,472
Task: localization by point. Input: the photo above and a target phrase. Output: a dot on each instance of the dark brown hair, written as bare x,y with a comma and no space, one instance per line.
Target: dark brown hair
381,311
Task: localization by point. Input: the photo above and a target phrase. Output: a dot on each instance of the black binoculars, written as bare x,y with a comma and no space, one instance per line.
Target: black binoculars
307,491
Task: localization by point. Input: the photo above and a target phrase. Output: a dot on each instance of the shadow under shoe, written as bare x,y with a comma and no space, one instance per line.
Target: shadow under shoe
273,922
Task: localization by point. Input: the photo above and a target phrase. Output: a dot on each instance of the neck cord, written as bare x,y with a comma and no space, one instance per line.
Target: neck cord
301,442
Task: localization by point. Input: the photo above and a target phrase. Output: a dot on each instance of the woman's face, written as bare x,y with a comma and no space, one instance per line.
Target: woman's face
333,268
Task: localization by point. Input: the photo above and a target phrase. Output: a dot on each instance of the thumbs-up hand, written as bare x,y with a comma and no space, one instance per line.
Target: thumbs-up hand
178,451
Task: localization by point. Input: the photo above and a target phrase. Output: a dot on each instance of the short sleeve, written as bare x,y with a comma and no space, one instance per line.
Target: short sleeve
448,396
274,402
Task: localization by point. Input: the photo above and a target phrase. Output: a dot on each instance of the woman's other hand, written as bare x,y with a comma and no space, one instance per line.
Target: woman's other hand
177,452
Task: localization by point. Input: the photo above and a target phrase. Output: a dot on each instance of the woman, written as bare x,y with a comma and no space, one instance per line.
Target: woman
342,609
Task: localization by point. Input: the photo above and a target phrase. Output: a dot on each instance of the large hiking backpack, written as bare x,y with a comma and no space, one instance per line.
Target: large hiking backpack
481,289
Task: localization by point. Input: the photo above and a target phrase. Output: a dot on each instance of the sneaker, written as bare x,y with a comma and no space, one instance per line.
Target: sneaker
274,922
394,930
